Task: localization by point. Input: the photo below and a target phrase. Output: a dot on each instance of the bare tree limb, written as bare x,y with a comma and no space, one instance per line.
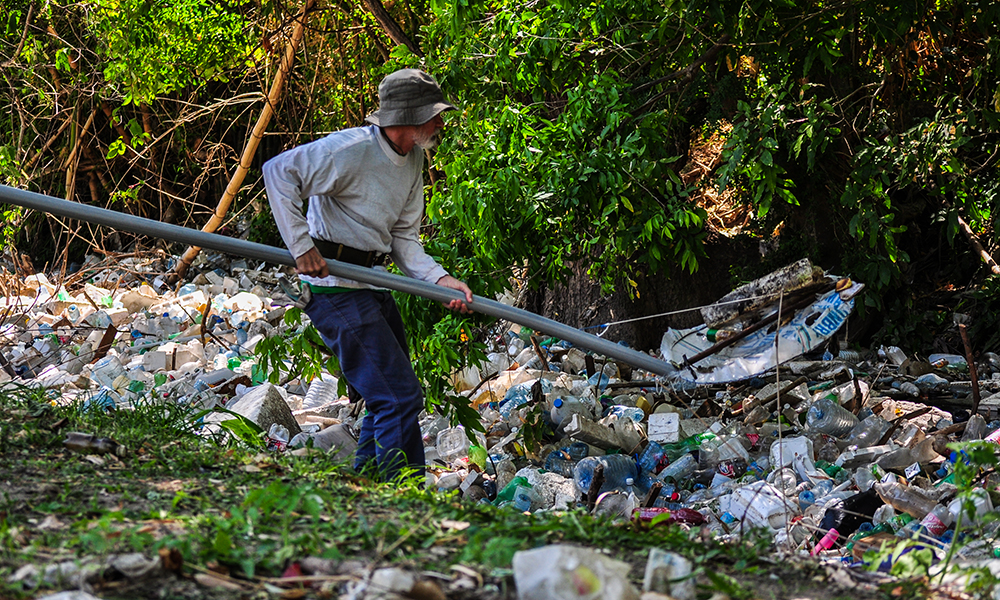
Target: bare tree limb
391,27
977,246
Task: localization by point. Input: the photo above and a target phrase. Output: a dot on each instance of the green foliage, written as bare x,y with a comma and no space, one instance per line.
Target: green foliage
299,352
554,160
153,49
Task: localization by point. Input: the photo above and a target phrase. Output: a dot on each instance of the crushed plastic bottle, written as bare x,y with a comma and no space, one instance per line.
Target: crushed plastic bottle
826,416
617,468
452,444
277,438
868,432
320,392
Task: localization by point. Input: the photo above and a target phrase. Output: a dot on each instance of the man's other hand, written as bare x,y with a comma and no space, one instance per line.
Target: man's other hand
312,263
450,282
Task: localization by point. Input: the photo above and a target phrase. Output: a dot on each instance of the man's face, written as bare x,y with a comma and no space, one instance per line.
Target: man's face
426,135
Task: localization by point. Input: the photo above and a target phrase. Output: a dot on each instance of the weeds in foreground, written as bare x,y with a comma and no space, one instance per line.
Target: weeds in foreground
223,504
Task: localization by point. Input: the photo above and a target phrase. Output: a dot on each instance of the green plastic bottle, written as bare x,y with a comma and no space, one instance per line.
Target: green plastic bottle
507,493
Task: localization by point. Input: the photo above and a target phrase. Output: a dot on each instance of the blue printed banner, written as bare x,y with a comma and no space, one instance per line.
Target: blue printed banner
763,349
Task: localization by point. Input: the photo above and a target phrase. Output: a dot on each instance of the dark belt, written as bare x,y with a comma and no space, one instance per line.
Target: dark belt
347,254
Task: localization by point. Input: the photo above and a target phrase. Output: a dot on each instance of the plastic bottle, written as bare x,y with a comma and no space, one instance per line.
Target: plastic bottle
277,437
936,522
899,522
974,429
883,514
559,461
678,470
577,450
723,448
864,479
320,392
85,443
452,444
524,497
626,412
826,416
905,499
653,459
73,314
506,495
106,371
617,468
826,542
868,432
564,408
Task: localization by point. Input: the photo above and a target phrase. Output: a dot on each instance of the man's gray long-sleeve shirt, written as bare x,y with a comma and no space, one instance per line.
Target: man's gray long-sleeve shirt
361,194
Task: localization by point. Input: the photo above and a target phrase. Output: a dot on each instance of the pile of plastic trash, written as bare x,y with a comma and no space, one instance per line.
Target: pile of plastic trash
830,450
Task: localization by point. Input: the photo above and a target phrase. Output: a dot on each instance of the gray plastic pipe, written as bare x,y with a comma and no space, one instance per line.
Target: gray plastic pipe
193,237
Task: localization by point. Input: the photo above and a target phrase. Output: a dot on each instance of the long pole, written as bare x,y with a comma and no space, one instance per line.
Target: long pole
193,237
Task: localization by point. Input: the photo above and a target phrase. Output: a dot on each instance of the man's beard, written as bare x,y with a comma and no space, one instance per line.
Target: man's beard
426,142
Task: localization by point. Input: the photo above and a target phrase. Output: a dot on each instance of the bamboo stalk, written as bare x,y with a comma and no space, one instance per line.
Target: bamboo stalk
74,158
48,143
255,136
977,246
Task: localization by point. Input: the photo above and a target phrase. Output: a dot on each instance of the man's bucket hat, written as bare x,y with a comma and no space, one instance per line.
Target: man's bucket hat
408,97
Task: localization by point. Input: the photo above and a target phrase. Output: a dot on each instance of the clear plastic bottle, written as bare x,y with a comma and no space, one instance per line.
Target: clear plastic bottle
826,416
653,459
974,429
864,479
905,499
73,314
452,444
320,392
868,432
678,470
564,408
626,412
559,461
617,468
883,514
937,521
524,497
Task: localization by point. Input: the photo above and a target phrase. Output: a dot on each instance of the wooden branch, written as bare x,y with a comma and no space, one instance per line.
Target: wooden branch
24,36
685,75
255,136
972,367
79,140
124,135
978,247
74,158
391,27
48,144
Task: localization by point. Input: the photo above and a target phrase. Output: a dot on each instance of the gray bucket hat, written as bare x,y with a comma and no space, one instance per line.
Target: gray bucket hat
408,97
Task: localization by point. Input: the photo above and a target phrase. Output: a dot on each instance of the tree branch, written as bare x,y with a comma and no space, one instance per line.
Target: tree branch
392,29
24,35
977,246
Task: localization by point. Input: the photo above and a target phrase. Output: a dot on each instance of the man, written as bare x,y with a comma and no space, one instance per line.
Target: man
365,191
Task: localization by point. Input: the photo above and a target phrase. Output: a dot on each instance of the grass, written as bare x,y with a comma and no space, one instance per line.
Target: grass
223,507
